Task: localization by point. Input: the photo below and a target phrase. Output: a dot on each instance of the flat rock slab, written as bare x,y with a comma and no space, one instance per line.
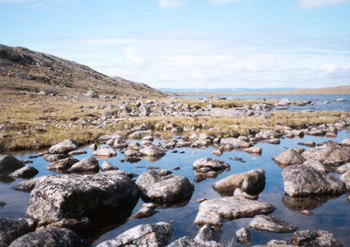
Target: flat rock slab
302,180
50,237
98,197
156,235
271,224
215,211
11,228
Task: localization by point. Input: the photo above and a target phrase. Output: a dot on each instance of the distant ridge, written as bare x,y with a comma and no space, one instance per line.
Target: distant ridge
23,69
223,90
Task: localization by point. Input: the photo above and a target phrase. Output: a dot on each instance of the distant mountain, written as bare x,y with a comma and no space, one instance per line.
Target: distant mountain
223,90
23,69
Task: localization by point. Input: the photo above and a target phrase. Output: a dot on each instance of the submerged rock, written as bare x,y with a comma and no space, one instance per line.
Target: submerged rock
11,228
301,180
104,196
50,237
9,164
156,235
251,182
314,238
271,224
214,211
64,147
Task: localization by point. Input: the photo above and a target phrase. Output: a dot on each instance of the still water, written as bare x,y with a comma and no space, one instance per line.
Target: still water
331,214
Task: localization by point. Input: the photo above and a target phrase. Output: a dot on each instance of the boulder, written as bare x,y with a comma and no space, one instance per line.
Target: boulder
105,152
164,189
62,165
253,150
54,157
289,157
11,228
342,169
103,196
209,164
251,182
106,166
307,143
24,172
301,180
89,164
329,154
316,165
234,143
345,142
314,238
64,147
345,178
215,211
9,164
243,235
271,224
152,151
50,237
184,242
156,235
27,185
91,94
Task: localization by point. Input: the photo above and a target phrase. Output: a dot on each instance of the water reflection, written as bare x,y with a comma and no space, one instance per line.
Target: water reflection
305,203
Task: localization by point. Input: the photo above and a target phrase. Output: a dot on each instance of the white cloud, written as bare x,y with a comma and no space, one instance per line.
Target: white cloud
170,3
309,4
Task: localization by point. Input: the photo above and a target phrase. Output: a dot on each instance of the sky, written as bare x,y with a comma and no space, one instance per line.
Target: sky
191,43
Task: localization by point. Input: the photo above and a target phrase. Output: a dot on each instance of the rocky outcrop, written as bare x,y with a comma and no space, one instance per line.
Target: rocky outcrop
64,147
89,164
147,235
314,238
289,157
50,237
214,211
9,164
301,180
271,224
11,228
166,189
329,154
104,196
251,182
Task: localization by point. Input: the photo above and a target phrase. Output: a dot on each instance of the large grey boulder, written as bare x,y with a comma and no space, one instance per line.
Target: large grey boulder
9,164
50,237
314,238
215,211
329,154
289,157
301,180
63,147
98,197
24,172
11,228
166,189
234,143
251,182
271,224
147,235
89,164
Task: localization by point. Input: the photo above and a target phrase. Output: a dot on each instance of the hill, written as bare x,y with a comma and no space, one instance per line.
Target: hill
23,69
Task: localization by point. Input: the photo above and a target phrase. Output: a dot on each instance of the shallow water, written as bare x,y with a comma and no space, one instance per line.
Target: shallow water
317,100
328,214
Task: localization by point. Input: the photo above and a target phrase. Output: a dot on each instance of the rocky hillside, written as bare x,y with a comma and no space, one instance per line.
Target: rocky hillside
23,69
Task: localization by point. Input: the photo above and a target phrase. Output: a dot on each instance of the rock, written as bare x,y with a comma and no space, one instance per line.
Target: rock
221,112
239,193
253,150
345,178
329,154
105,152
339,100
214,211
89,164
100,197
301,180
243,235
63,147
27,185
132,153
50,237
237,159
345,142
209,164
24,172
144,213
342,169
62,165
2,204
271,224
307,143
91,94
11,228
120,172
146,235
273,141
217,152
314,238
139,134
54,157
306,212
289,157
106,166
152,151
77,152
234,143
9,164
184,242
305,203
250,182
165,189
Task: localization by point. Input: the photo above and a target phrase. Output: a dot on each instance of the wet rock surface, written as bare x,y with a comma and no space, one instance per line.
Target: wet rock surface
271,224
243,235
158,234
214,211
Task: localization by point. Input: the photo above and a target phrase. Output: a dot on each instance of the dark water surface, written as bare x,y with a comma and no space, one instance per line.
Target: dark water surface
331,214
317,99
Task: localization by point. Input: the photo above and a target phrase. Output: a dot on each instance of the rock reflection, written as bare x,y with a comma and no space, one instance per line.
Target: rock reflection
305,203
6,179
201,176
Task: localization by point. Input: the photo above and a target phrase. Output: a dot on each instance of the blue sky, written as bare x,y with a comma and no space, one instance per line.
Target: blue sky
191,43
